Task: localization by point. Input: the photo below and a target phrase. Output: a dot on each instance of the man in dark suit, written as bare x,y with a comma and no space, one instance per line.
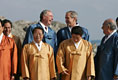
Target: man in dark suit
71,21
50,37
106,59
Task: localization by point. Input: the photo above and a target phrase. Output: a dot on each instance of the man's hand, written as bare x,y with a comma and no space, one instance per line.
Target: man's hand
115,77
66,72
12,77
89,78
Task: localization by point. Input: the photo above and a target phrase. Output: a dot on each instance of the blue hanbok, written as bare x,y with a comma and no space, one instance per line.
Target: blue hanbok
65,33
106,59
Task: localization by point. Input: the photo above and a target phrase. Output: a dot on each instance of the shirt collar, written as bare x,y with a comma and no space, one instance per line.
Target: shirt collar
10,35
38,45
44,27
70,28
109,36
77,44
1,36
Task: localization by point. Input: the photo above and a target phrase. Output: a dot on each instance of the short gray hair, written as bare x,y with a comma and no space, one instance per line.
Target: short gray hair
43,13
73,14
111,25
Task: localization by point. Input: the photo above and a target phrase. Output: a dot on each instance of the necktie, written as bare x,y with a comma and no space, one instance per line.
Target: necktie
46,28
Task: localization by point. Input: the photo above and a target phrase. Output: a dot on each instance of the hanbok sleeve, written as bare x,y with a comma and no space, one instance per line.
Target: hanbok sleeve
14,59
52,64
24,63
116,58
60,59
90,62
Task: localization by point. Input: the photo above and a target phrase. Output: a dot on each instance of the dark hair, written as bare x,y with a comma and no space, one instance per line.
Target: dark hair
1,21
116,19
6,21
38,27
77,30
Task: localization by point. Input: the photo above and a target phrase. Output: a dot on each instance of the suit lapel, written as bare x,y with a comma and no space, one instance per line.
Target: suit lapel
68,33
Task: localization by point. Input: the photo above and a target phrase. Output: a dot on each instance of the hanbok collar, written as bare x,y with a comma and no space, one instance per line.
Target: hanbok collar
10,35
70,28
74,50
44,27
109,36
77,44
38,45
1,36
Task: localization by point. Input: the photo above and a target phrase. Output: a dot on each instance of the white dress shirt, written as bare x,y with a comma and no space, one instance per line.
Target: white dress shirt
10,35
109,36
1,36
70,28
46,30
77,44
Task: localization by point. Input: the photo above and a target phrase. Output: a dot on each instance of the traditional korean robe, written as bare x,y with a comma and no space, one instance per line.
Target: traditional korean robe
106,59
19,49
50,37
79,61
64,33
38,65
8,58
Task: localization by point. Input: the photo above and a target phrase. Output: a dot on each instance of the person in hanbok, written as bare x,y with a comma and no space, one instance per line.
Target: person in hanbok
71,19
50,37
7,24
37,59
106,59
75,57
8,56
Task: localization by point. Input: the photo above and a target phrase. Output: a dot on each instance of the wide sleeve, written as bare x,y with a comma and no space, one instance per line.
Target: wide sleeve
90,62
85,35
60,59
29,36
14,59
52,64
24,63
116,58
55,45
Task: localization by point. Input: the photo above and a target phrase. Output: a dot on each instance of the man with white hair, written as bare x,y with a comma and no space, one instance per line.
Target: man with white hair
46,17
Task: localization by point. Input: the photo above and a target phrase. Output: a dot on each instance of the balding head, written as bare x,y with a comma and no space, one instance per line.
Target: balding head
110,23
108,26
